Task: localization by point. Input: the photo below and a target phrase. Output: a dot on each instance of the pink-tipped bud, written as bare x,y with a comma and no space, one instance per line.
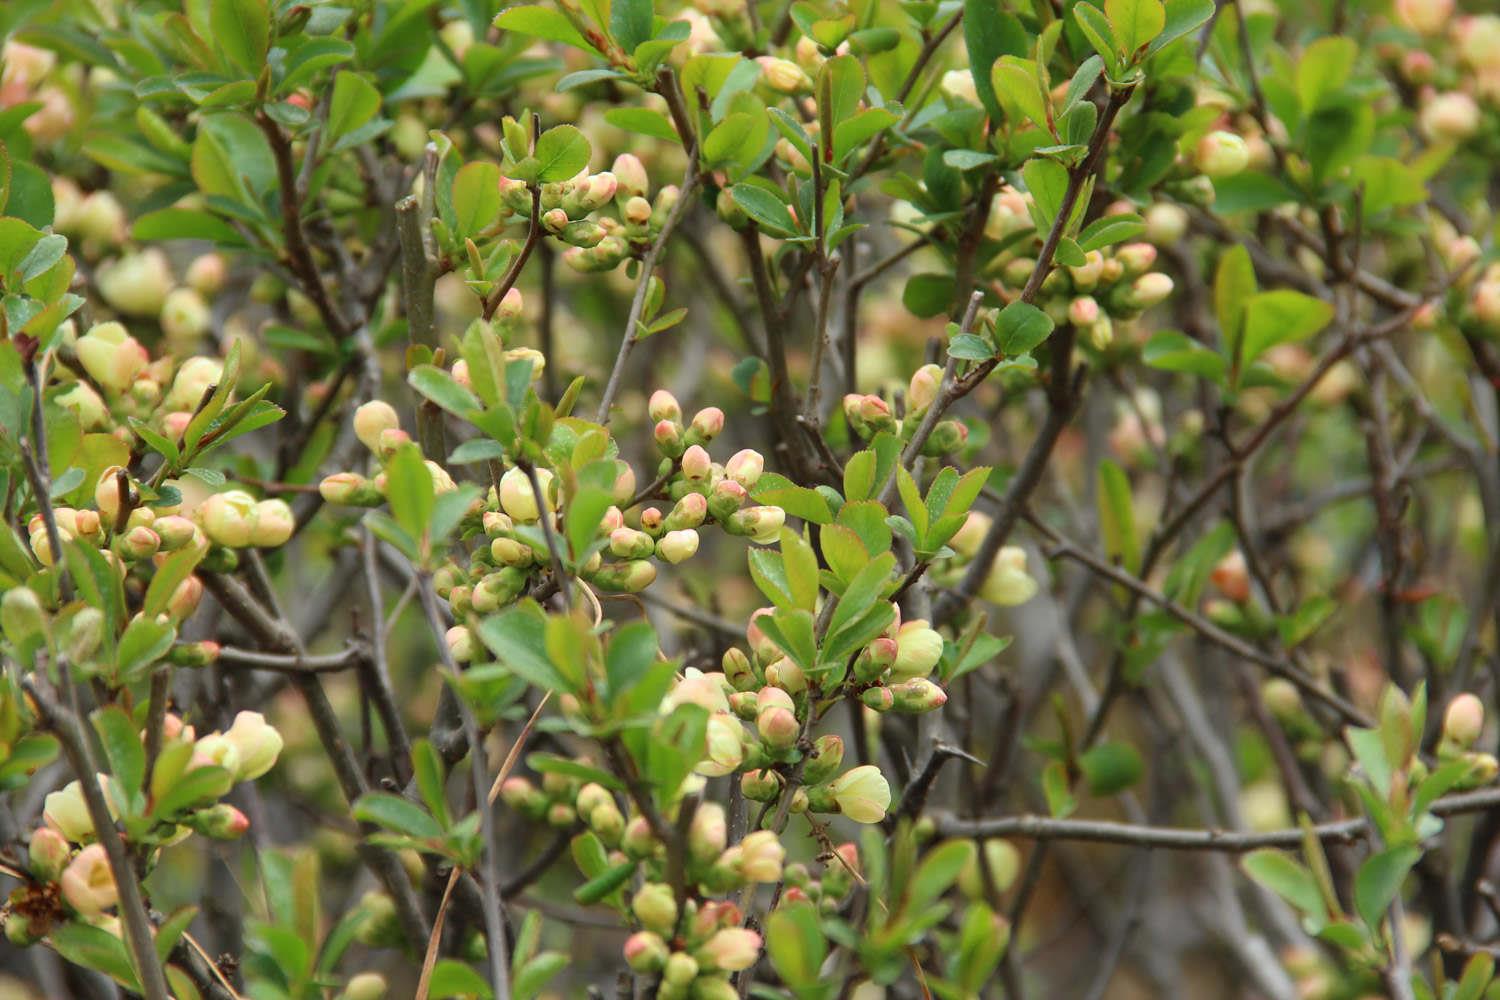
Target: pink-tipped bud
730,950
663,406
923,389
220,822
696,463
708,423
646,952
655,907
1083,311
689,512
630,175
372,419
48,853
777,726
668,437
917,695
745,467
1231,577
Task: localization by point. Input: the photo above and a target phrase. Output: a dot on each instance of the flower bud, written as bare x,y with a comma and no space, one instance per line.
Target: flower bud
48,854
919,647
729,950
1086,276
696,463
783,75
744,467
630,175
194,654
136,284
663,406
778,726
228,518
680,970
111,356
184,315
88,885
348,488
689,512
678,546
761,856
924,387
826,758
636,212
668,437
258,745
917,695
1008,584
709,832
1150,289
1463,721
1281,698
22,616
656,908
627,543
274,524
221,821
206,274
625,577
460,642
878,699
762,524
760,786
862,794
364,986
645,952
1426,17
1221,154
1003,862
708,423
1450,117
1083,311
737,669
1135,259
373,419
1231,577
519,499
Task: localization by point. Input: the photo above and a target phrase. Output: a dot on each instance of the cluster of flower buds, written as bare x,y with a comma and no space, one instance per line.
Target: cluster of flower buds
700,488
1007,584
26,76
68,872
1453,65
1112,285
603,242
868,414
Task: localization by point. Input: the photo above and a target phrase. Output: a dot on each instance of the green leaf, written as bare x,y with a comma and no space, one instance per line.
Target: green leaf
1095,27
1279,317
1175,351
1323,70
765,208
970,347
396,814
427,767
1379,880
928,295
1234,286
937,873
597,888
1135,23
409,490
630,22
476,197
1015,81
197,787
453,980
242,31
562,152
93,948
1288,879
440,387
863,592
1110,230
542,22
1047,181
801,566
517,637
546,763
1183,16
1117,516
184,224
989,33
122,748
354,103
145,641
1109,768
1021,327
643,121
795,943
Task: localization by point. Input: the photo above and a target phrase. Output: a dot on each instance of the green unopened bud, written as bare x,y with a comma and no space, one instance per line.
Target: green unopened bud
365,986
825,760
876,658
680,970
625,577
22,931
1463,721
219,822
729,950
709,832
377,924
194,654
656,908
638,841
778,726
690,512
760,786
879,699
917,695
946,438
85,632
21,615
608,823
737,669
47,854
1221,154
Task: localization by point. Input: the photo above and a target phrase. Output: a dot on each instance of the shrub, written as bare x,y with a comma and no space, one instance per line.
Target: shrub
504,502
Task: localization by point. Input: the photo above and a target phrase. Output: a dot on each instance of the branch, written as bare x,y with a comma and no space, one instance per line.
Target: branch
1045,828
